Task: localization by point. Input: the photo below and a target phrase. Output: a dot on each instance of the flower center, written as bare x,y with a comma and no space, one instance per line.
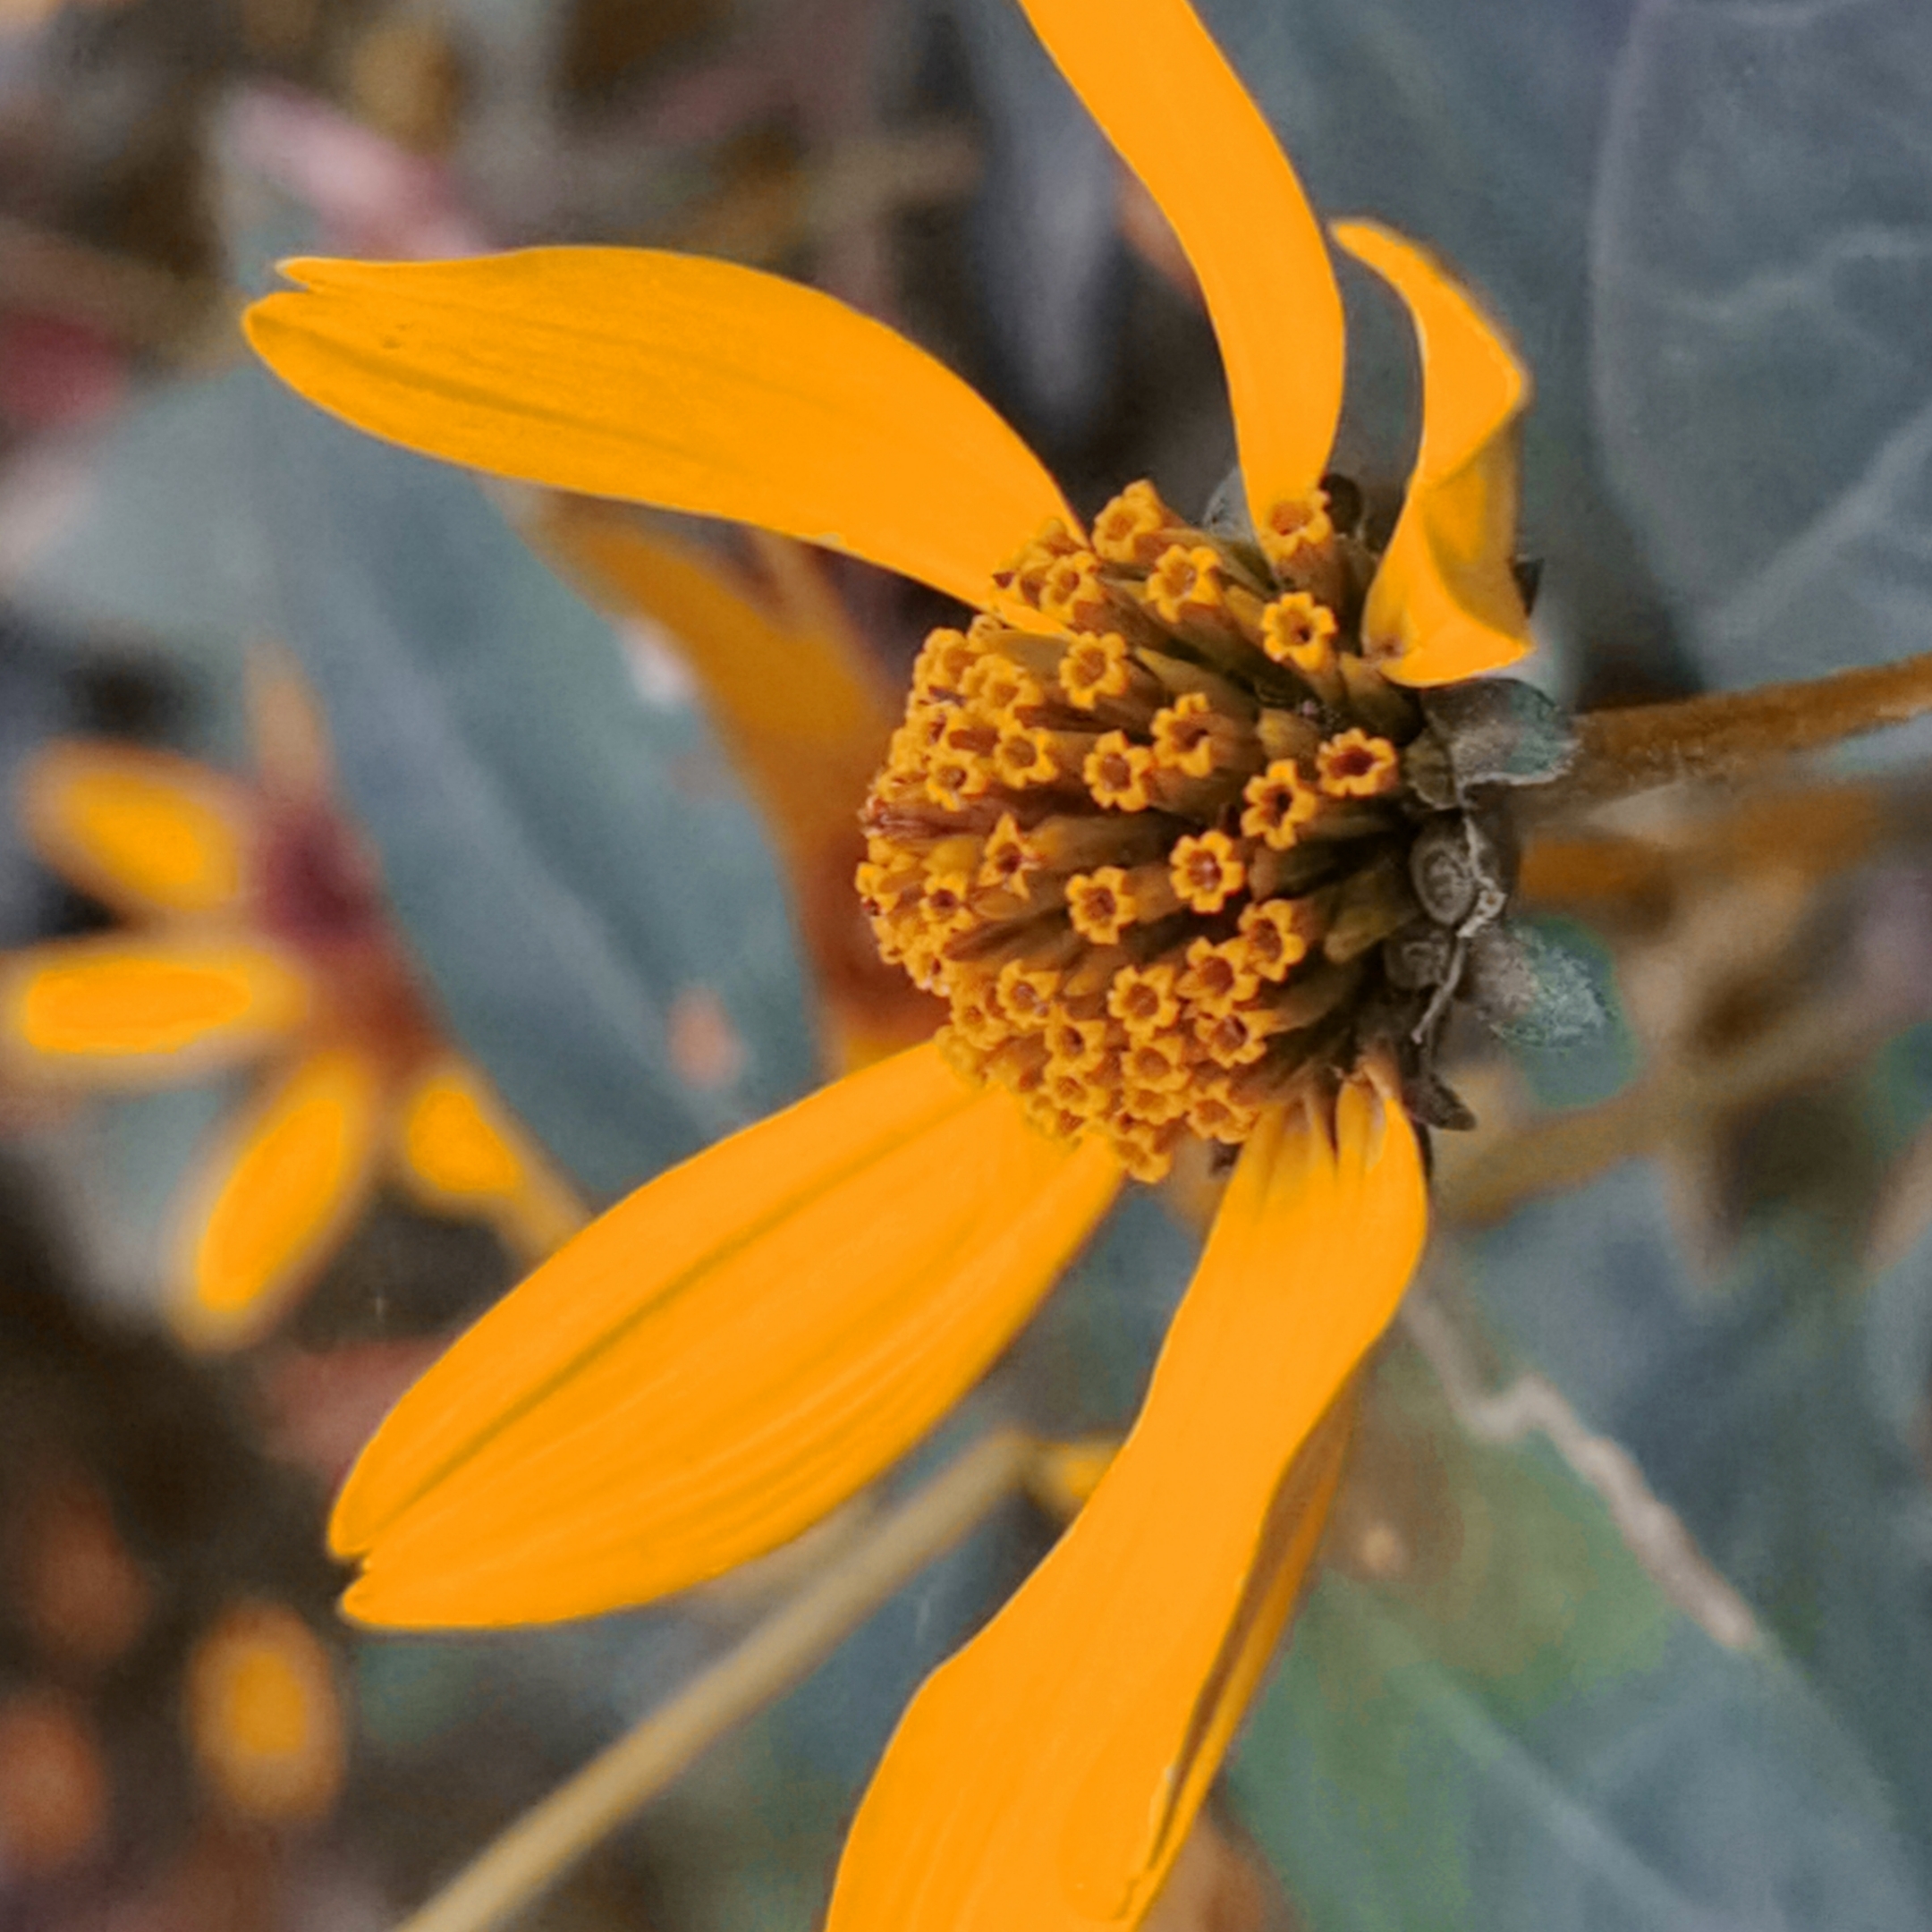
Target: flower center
1158,856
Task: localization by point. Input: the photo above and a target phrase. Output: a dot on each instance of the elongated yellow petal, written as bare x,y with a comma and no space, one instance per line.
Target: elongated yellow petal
459,1152
280,1190
1046,1776
675,380
126,1010
721,1358
1444,604
144,831
1179,117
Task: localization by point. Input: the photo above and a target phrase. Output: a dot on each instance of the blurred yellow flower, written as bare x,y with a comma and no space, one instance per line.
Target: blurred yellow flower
253,933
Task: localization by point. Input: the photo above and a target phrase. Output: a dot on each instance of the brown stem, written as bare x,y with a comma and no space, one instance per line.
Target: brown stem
1724,734
1556,1152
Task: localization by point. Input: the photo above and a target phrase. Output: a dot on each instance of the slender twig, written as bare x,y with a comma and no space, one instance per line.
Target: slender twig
1652,1531
1557,1151
782,1649
1725,735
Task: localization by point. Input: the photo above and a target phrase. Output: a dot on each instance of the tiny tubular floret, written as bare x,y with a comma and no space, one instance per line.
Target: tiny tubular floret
1146,845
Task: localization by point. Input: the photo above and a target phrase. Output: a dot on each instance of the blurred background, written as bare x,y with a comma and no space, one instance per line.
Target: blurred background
528,825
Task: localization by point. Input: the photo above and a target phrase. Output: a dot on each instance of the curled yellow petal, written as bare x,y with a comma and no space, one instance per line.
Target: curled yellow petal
144,831
721,1358
671,379
280,1190
1174,109
1047,1774
123,1010
1445,603
459,1152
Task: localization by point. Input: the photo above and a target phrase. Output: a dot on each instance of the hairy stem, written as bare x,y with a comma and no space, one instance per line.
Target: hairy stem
779,1651
1725,735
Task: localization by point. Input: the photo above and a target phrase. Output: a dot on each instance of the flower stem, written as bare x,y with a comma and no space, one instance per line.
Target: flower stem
1559,1151
782,1649
1724,734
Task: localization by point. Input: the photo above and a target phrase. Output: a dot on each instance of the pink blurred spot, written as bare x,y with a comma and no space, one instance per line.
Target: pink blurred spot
56,371
322,1405
371,197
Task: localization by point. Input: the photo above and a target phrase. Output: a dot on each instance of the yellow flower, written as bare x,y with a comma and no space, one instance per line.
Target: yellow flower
254,935
729,1353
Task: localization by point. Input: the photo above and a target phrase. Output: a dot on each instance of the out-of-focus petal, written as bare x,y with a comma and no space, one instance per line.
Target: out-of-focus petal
797,705
1155,81
675,380
144,831
285,1182
797,702
459,1152
128,1010
1445,603
721,1358
1047,1774
265,1716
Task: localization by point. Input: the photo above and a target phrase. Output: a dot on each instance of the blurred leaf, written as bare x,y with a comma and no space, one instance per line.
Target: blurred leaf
567,856
1048,269
1781,1408
1498,1722
1763,264
1474,128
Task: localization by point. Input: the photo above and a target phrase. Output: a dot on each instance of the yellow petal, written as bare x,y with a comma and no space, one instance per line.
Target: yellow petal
721,1358
1047,1775
459,1152
123,1010
1171,105
144,831
265,1715
1444,604
670,379
796,697
269,1207
798,704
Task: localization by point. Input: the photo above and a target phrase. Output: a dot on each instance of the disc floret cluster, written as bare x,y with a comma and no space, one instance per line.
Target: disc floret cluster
1150,842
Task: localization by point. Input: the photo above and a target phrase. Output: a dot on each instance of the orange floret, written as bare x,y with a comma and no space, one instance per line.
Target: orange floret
1117,771
1187,735
1298,531
1299,633
1007,860
1025,575
1073,594
1186,584
1220,977
943,663
1279,802
1136,526
1104,904
1158,1062
1355,765
1145,999
1026,994
1207,870
1279,932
